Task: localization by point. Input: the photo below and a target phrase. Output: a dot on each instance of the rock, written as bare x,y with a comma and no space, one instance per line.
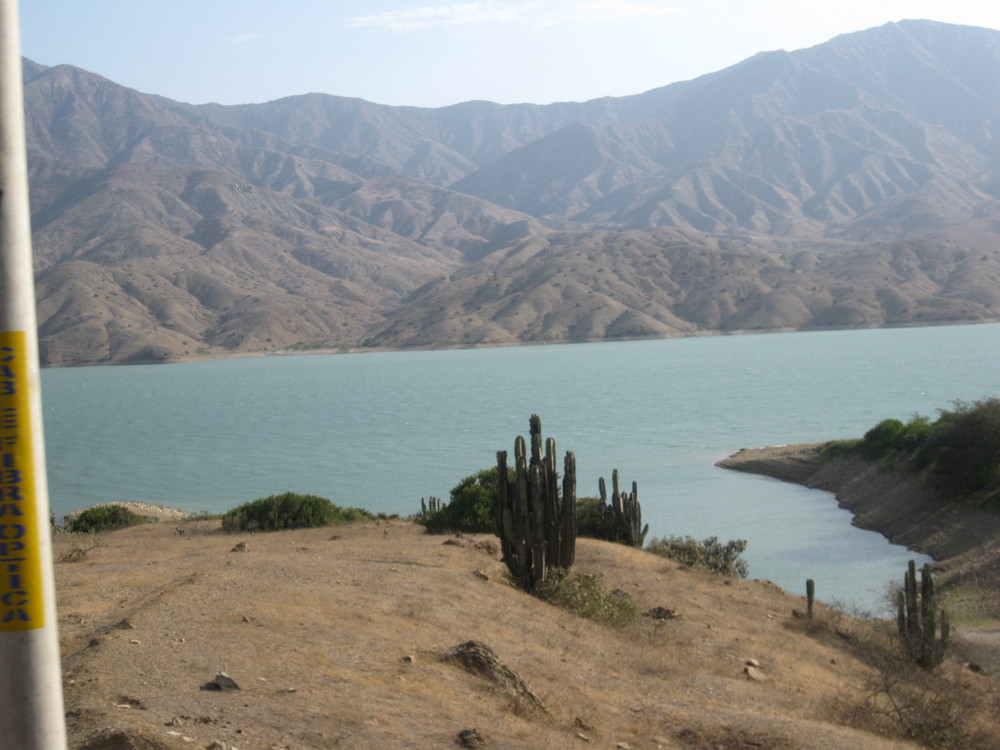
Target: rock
488,547
240,547
124,625
480,659
471,738
754,674
480,574
752,663
225,682
408,659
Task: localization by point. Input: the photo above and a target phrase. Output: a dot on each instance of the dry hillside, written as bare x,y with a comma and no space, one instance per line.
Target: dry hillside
337,638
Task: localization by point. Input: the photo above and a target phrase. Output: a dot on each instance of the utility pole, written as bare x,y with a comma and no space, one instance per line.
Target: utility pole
31,703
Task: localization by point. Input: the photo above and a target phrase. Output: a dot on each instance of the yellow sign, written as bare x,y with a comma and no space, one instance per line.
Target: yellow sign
21,598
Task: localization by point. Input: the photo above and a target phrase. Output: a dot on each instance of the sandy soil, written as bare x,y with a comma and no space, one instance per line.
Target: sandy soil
336,638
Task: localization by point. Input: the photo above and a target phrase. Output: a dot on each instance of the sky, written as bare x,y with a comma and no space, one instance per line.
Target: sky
432,54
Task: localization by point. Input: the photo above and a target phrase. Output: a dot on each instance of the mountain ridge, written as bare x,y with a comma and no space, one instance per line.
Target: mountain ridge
853,183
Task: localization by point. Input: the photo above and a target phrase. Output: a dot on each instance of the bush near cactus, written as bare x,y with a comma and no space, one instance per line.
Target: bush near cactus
471,509
289,511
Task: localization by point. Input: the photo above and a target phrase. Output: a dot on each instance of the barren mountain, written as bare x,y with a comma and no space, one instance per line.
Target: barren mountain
855,183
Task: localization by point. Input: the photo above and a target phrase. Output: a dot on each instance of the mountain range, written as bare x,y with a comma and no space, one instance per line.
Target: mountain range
851,184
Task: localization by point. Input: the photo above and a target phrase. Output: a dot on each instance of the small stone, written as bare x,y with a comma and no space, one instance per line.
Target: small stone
124,625
481,575
408,659
225,682
582,736
622,746
471,738
239,547
754,674
752,663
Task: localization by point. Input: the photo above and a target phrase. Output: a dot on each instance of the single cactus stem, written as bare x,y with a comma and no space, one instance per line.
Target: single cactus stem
567,550
810,597
423,508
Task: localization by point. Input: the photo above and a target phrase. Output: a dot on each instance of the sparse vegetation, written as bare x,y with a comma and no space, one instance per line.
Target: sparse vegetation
898,698
584,594
709,554
105,518
289,511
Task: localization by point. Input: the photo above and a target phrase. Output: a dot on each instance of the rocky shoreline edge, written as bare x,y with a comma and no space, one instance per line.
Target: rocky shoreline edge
963,539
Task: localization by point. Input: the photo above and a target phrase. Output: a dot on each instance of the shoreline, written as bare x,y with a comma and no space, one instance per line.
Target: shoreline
963,540
357,349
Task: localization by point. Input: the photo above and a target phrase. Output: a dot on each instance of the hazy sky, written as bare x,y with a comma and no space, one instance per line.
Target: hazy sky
436,53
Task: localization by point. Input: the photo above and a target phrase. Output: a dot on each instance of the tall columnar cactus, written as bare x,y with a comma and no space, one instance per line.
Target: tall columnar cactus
917,620
536,526
626,511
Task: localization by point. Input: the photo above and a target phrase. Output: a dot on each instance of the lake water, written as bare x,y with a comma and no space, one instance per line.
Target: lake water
382,430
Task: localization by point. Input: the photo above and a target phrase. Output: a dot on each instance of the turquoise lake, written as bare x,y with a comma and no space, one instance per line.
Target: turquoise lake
382,430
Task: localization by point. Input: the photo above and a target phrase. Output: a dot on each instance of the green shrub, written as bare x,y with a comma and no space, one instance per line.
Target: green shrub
584,594
289,511
105,518
962,450
709,554
473,503
594,521
891,438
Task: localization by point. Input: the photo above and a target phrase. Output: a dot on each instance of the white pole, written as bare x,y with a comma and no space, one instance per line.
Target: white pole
31,704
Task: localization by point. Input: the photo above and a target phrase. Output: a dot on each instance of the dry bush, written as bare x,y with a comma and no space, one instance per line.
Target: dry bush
933,708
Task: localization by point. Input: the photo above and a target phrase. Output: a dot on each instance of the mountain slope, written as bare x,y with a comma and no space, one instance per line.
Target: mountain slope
855,183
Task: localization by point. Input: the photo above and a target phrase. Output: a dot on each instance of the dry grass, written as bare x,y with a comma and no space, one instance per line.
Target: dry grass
337,638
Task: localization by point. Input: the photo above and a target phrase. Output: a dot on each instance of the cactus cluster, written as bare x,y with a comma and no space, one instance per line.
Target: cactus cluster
535,522
625,511
429,508
918,622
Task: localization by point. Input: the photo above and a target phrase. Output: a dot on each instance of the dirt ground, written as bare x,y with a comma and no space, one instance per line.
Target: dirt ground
337,637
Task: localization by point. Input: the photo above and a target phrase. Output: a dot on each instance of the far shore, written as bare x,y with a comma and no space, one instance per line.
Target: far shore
348,349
